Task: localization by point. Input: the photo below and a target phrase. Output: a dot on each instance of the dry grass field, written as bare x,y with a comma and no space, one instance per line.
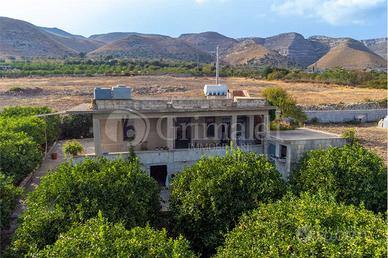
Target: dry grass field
62,93
370,136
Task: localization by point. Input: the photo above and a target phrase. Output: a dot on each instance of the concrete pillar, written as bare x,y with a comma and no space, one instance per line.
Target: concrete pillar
97,136
233,129
266,133
251,127
170,132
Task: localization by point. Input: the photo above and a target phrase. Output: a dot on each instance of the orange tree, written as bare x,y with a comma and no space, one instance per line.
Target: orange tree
310,226
75,193
207,198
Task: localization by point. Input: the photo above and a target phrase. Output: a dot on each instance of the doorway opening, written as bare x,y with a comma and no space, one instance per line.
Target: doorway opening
159,173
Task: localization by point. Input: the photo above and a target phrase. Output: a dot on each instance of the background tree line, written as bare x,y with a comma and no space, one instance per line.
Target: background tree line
115,67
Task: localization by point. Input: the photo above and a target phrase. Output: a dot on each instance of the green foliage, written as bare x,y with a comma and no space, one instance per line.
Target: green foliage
33,126
75,193
98,238
51,122
9,195
352,173
19,155
350,135
72,147
76,126
207,198
125,67
312,226
287,105
281,125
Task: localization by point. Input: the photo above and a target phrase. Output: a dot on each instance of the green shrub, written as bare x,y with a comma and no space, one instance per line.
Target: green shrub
352,173
279,98
52,121
98,238
19,155
75,193
72,147
207,198
311,226
350,135
9,195
33,126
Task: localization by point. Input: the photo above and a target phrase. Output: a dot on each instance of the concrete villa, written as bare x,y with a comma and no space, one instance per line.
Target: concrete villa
170,134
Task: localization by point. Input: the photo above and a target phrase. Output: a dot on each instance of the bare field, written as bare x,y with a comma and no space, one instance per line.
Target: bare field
62,93
370,136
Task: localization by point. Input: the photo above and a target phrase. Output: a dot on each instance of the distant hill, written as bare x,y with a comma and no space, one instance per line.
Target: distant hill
20,39
113,36
208,41
151,47
350,54
249,52
378,46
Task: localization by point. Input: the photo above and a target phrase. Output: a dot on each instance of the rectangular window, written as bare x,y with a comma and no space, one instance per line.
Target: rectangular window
283,151
210,126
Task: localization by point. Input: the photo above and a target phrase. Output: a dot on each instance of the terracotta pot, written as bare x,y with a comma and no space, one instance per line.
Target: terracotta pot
54,155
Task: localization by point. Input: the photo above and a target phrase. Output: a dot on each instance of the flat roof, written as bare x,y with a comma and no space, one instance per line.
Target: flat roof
302,134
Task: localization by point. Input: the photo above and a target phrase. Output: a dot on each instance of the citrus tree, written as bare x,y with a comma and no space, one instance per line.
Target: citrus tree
19,155
75,193
99,238
310,226
9,195
207,198
352,173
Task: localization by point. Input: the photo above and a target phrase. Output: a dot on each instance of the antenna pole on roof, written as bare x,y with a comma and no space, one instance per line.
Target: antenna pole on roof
217,67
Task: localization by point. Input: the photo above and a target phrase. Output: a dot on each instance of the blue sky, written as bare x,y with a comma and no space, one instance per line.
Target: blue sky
360,19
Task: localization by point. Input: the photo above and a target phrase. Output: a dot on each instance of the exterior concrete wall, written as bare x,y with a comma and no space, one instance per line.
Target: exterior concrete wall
297,149
176,160
341,116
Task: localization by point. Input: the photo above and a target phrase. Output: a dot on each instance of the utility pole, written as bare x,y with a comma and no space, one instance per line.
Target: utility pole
217,67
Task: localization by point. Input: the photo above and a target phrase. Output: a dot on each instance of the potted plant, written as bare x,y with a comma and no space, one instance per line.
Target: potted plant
73,148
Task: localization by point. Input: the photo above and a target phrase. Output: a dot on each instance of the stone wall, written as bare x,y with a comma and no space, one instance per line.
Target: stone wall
343,116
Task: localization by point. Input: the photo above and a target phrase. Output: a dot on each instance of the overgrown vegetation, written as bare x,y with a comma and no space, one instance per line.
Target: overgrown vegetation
75,193
99,238
126,67
208,198
353,174
309,226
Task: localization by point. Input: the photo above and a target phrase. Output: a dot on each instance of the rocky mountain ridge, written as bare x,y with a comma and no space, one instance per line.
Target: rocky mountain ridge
20,39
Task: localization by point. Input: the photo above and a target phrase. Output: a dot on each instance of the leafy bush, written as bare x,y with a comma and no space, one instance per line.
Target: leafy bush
19,155
352,173
311,226
76,126
33,126
279,98
9,195
75,193
72,147
207,198
350,135
98,238
52,122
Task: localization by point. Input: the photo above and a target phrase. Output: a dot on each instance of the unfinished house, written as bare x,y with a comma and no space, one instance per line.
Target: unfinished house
168,134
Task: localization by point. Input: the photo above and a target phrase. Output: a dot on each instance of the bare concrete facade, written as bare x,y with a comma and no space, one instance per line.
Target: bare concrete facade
168,135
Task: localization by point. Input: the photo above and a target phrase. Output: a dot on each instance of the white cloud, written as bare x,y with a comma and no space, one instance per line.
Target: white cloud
334,12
